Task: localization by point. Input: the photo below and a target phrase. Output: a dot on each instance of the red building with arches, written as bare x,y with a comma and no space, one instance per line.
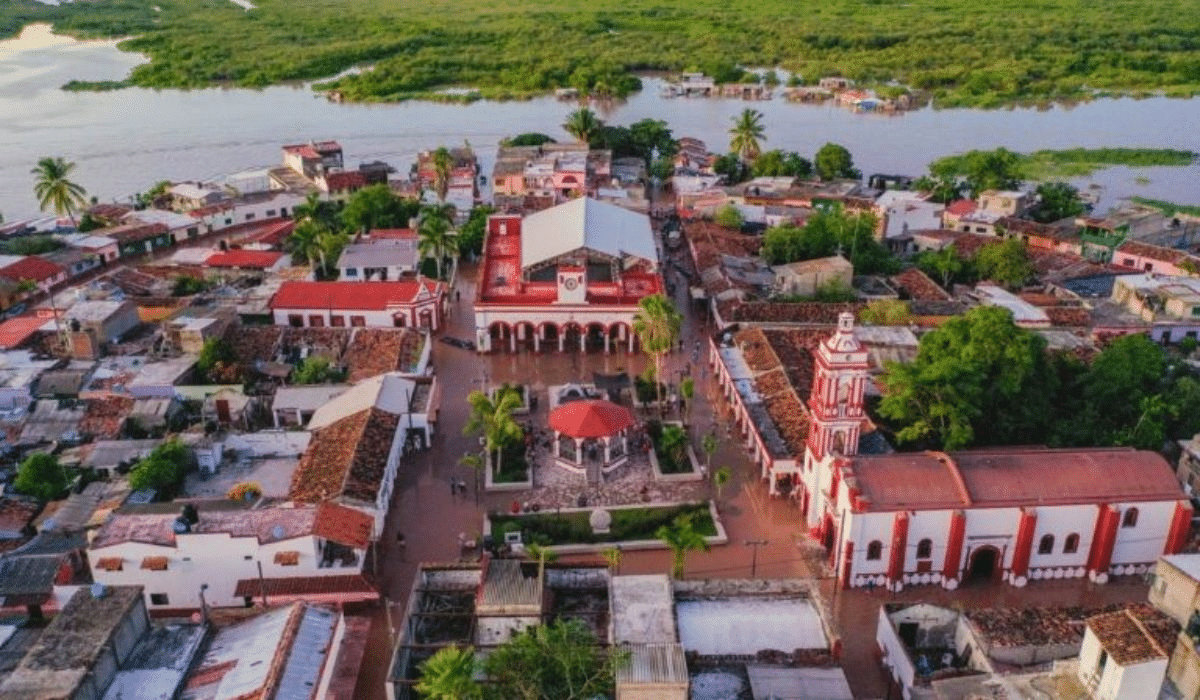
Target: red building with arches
566,279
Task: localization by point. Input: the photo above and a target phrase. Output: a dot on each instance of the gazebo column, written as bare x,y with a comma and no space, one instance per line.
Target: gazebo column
626,332
607,449
512,339
607,342
579,451
537,339
557,444
562,336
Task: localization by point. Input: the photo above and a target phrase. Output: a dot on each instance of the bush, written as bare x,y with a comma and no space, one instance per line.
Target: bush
42,476
163,469
548,529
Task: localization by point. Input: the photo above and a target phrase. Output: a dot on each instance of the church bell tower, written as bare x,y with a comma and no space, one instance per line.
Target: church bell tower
836,402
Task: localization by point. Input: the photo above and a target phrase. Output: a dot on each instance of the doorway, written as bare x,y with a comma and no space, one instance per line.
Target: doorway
984,564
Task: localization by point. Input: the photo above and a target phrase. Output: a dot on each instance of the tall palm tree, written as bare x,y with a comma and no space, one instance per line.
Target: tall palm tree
330,245
433,238
54,189
450,675
747,131
492,420
657,324
583,124
681,537
443,165
305,241
316,210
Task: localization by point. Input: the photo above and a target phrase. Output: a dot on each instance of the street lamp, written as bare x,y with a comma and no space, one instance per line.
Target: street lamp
754,556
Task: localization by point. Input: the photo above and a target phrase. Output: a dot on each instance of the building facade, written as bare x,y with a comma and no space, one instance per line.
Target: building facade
414,303
998,514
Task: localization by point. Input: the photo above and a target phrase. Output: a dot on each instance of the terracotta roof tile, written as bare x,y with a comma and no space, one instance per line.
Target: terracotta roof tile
346,458
300,586
343,525
370,296
917,285
1135,635
105,417
244,259
345,180
33,268
374,351
16,331
806,312
1154,252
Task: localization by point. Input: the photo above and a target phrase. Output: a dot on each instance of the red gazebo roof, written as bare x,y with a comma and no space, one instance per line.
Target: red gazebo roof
590,419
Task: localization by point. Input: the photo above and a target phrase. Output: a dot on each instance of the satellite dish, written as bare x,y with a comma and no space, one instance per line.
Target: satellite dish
278,532
181,526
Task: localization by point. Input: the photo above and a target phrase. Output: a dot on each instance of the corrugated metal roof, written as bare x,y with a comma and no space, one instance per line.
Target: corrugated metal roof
658,664
308,655
506,586
586,223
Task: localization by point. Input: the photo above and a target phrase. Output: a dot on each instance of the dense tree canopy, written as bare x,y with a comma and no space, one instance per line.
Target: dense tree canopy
1057,200
827,232
1007,263
377,206
981,170
163,469
834,161
42,476
557,661
777,163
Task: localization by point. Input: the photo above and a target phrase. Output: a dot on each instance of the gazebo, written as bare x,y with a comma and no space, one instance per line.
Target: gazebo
581,427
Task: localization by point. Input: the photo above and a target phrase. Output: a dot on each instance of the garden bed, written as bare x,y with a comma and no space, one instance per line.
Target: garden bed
569,531
678,464
516,474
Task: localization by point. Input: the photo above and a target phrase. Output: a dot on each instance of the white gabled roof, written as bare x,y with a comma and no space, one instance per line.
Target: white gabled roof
586,223
388,392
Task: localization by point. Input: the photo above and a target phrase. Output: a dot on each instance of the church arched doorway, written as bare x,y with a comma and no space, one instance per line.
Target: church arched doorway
984,564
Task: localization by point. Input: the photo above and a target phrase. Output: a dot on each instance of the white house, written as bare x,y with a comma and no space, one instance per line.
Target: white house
1124,654
409,303
358,438
1013,514
233,553
568,277
378,259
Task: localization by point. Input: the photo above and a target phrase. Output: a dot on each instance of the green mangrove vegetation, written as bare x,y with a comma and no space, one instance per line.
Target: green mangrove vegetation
959,52
1167,208
1059,164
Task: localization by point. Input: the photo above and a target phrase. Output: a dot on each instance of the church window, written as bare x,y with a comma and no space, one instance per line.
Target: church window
874,550
1131,516
1046,546
925,549
1071,544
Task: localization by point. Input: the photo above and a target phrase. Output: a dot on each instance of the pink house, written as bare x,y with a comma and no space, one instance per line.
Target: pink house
1145,257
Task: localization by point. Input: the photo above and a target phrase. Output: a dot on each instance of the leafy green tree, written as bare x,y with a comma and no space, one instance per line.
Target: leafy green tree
315,369
983,170
304,242
732,168
55,190
42,476
216,363
471,233
729,217
330,246
682,537
443,165
709,445
435,239
1115,390
943,189
834,162
650,137
1057,201
746,134
561,660
377,206
450,675
657,324
829,231
687,390
1007,263
492,420
186,286
527,139
163,469
320,212
978,379
777,163
476,462
944,265
582,124
672,442
886,312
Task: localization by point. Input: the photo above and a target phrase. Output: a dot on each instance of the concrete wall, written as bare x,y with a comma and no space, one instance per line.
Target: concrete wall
1184,669
382,318
1174,592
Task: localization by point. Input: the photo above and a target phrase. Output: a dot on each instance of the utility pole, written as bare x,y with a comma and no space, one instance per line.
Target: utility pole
755,544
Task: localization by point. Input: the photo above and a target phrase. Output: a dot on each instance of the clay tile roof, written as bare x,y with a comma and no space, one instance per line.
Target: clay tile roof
110,563
917,285
16,331
288,558
246,259
104,417
343,525
345,180
303,586
590,419
32,268
1135,635
1073,316
16,512
807,312
154,563
399,233
960,206
368,296
375,351
346,458
1154,252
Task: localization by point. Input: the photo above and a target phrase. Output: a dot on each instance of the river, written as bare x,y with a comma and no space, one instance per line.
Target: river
124,141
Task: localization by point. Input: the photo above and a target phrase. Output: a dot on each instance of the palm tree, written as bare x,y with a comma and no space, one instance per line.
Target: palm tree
433,239
657,324
305,241
443,164
330,245
493,420
747,131
450,675
54,190
583,124
612,557
681,537
709,444
721,477
476,462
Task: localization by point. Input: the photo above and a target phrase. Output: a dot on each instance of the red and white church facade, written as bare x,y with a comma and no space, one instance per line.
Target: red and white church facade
1011,514
566,279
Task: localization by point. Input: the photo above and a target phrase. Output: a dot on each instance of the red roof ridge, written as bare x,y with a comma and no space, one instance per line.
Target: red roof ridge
959,482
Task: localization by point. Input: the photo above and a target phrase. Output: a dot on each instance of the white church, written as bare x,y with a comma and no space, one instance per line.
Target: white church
1011,514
